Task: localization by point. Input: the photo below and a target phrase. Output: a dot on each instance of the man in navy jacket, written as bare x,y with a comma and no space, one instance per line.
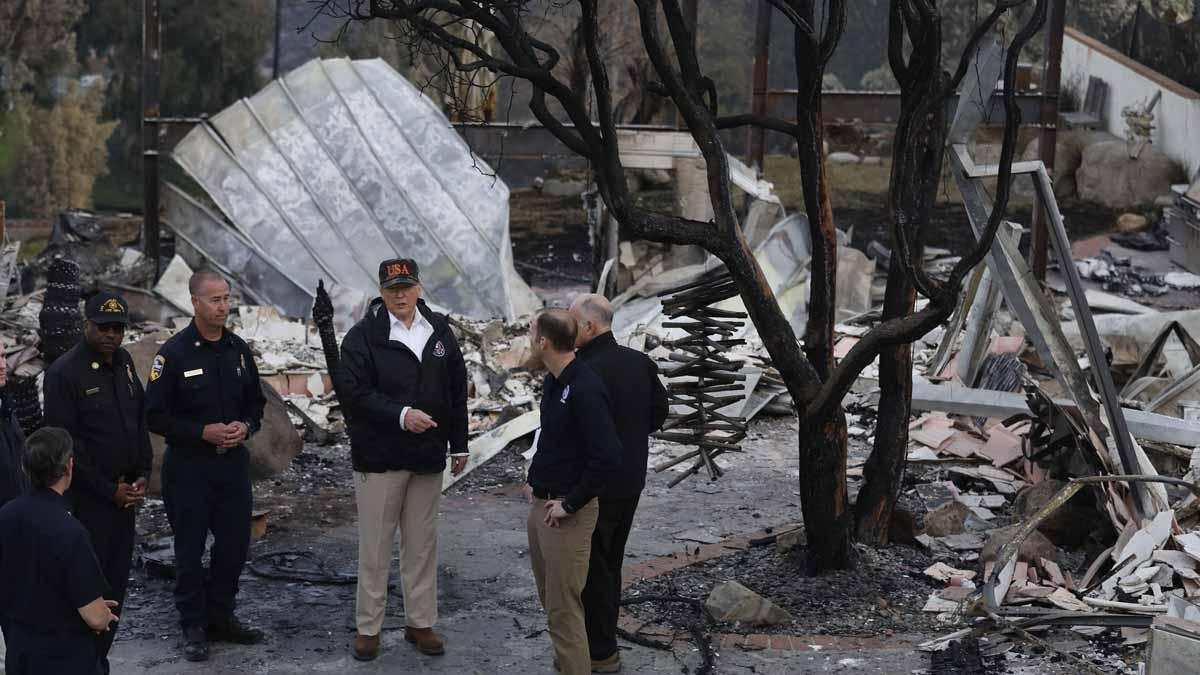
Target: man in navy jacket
578,453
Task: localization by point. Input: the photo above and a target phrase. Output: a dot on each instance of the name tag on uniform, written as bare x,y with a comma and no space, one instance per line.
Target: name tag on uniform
193,373
93,390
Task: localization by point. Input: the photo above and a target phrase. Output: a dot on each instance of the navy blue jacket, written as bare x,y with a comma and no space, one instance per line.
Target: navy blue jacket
13,481
194,383
47,564
101,406
578,448
639,408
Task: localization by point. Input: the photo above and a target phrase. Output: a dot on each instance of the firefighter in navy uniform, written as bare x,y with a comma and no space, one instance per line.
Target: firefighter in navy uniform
52,590
205,398
93,392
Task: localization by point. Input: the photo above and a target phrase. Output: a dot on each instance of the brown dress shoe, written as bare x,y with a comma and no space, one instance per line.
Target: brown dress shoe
426,641
366,647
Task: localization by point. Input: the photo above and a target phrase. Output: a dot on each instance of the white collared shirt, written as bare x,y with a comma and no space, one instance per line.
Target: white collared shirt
415,336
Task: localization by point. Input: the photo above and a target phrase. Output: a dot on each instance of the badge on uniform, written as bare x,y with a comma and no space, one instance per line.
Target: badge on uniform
93,390
193,373
156,368
129,371
439,350
565,394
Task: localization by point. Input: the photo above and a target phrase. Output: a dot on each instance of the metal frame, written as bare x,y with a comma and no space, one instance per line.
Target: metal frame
1022,290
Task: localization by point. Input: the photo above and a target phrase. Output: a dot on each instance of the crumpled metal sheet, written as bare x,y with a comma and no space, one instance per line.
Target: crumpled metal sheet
341,164
204,232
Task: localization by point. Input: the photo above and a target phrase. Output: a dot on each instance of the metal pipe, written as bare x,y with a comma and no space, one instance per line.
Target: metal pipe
151,69
1048,137
275,51
756,141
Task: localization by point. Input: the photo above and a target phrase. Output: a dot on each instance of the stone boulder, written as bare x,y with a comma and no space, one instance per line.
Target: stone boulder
949,518
1035,546
656,178
560,187
732,601
1068,154
271,450
844,158
1107,175
1132,222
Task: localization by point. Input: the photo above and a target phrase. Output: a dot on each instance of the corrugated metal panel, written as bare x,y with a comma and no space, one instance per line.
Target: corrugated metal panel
341,164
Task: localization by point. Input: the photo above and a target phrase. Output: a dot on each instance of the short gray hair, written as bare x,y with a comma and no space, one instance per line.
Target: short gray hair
47,452
201,277
597,309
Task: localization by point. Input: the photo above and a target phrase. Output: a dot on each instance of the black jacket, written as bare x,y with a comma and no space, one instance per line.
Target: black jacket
578,451
101,406
639,407
13,481
194,382
378,378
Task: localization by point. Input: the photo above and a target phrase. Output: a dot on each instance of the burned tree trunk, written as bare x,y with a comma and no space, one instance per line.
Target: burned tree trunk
884,470
916,169
823,498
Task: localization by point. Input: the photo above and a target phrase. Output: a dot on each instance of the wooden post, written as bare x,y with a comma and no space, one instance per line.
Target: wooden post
151,70
756,144
1048,136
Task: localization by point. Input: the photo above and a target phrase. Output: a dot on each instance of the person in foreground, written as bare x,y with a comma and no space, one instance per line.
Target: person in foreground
639,408
577,452
403,383
52,602
204,396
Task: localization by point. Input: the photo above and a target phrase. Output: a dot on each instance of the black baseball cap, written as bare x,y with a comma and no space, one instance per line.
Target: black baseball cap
105,307
398,271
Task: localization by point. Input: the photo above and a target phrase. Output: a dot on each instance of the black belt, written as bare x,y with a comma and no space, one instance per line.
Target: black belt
546,496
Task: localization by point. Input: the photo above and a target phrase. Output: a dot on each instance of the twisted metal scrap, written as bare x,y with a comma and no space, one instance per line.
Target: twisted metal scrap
22,394
705,377
60,323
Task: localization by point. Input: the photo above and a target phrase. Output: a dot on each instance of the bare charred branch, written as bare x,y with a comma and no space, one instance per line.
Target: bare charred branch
749,120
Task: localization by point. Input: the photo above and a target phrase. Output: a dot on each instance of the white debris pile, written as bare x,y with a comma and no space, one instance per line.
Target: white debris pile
502,380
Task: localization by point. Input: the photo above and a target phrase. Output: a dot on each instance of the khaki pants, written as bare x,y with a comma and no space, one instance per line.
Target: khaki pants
387,501
559,556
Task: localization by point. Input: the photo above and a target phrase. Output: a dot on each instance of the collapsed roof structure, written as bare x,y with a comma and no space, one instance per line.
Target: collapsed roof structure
332,168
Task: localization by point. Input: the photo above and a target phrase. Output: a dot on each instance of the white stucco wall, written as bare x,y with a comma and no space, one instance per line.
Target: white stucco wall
1177,116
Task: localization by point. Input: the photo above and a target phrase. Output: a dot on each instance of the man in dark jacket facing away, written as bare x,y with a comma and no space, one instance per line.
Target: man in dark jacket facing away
639,407
404,384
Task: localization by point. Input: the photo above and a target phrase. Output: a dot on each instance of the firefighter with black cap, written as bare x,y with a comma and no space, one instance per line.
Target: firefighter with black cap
93,391
204,396
403,382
